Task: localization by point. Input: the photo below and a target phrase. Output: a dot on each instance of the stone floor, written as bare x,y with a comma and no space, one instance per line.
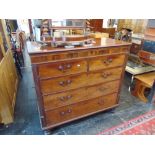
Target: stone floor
27,118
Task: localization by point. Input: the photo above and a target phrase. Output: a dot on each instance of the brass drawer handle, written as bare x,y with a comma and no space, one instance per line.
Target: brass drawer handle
64,67
108,61
101,102
65,98
62,113
105,75
65,83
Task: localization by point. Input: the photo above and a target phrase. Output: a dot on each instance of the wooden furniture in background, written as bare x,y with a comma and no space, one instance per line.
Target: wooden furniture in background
152,94
137,41
74,83
143,81
110,31
96,25
147,54
8,81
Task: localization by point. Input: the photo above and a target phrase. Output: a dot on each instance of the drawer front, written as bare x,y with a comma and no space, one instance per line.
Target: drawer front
120,49
69,112
104,76
56,69
102,89
106,61
65,98
70,97
59,56
63,83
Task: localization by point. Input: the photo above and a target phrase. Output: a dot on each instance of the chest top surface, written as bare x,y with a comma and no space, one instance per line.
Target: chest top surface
35,48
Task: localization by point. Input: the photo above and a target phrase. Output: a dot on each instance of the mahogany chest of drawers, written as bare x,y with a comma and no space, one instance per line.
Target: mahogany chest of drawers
74,83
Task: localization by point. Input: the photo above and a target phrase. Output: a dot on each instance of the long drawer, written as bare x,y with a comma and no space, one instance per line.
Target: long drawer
82,108
106,62
77,95
55,69
81,80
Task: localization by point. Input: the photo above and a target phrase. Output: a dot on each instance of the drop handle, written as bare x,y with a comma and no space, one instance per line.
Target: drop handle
62,113
105,75
65,83
65,98
64,67
108,61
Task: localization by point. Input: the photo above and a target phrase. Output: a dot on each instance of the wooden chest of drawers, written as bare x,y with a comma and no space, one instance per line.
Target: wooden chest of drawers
75,83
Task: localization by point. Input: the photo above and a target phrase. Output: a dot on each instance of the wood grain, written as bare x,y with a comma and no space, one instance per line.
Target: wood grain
8,83
79,109
75,83
77,95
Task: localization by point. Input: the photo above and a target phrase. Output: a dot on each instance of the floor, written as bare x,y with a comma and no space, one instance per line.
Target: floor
27,118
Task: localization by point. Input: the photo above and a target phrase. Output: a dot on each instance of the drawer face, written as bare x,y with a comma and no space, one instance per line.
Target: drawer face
65,98
70,97
120,49
56,69
59,56
104,76
102,89
63,83
69,112
106,61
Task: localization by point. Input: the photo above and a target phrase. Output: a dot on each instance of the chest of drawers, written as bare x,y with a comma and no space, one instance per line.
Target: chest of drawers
75,83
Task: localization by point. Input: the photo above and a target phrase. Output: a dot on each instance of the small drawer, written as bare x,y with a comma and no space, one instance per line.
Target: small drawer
104,76
66,98
63,83
115,50
47,57
104,62
59,56
80,109
95,52
56,69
